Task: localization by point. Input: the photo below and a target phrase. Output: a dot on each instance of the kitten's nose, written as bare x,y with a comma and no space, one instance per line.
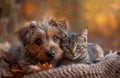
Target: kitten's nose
50,53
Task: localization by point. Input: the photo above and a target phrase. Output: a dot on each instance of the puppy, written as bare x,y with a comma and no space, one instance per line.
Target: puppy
38,43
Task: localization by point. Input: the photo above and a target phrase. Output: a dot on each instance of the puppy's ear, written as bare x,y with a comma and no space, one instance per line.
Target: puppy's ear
32,25
25,33
62,24
64,27
52,21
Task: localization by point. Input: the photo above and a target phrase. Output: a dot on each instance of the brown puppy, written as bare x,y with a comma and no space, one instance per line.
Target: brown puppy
39,43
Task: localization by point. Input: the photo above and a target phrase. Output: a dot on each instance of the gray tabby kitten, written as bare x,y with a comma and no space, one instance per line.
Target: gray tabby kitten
78,50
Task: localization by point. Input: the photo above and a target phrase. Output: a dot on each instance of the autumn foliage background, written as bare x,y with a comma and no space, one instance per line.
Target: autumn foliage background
102,17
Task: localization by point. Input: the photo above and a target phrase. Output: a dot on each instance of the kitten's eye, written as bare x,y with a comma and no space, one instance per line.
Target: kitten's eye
66,43
55,38
78,47
38,41
67,47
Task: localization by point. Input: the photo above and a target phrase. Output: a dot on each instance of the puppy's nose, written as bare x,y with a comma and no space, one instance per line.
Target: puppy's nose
50,53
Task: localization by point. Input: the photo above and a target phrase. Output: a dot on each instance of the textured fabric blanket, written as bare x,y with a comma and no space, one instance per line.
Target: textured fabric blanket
109,67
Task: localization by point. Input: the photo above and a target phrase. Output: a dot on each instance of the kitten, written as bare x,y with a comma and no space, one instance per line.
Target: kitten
78,50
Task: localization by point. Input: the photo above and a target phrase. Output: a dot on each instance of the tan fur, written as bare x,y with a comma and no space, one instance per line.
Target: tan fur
36,40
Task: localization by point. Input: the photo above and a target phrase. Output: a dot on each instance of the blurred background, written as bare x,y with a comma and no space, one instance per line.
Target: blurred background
102,17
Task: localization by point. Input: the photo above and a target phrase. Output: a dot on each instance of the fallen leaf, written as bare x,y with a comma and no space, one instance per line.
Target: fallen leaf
7,73
44,66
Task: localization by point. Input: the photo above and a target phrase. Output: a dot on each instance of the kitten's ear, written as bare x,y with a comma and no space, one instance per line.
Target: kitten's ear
64,35
84,33
25,33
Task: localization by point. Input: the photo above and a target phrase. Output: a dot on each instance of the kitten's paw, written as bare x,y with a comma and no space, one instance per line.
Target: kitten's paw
115,52
96,61
112,54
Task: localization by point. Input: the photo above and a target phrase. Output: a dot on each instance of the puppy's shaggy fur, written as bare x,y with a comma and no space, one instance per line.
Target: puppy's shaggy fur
40,42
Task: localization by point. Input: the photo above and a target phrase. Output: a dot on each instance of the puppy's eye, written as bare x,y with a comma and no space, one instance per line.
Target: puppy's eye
38,41
55,38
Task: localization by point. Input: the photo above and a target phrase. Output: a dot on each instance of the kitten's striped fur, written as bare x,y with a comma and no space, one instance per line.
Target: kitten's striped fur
78,50
109,67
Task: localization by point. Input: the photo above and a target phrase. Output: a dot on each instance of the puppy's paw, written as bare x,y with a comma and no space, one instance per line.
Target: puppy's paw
34,68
